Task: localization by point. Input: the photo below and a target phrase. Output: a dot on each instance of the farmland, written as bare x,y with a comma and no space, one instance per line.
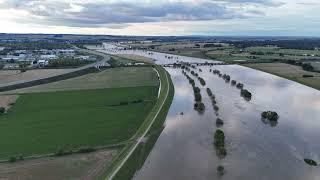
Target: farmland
288,71
42,123
76,166
229,52
9,76
109,78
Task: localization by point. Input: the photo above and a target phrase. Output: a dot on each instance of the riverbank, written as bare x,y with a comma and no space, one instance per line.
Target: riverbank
132,157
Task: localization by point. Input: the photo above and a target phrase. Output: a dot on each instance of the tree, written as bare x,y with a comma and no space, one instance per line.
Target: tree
219,122
270,115
2,110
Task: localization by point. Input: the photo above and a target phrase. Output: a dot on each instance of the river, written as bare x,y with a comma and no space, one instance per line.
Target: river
256,148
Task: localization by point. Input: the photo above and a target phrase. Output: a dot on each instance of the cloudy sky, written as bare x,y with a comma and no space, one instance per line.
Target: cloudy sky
162,17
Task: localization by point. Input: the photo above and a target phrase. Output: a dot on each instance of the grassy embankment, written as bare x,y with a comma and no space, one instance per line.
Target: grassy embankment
43,123
137,158
291,72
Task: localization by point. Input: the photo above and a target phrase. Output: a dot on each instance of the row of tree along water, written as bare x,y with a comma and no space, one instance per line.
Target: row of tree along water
198,105
268,117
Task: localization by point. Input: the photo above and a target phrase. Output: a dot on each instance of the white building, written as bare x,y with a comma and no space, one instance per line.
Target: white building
48,56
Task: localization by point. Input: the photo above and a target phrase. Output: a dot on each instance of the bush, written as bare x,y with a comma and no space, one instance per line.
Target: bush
307,75
2,110
137,101
219,138
197,97
307,67
226,77
270,115
209,92
215,107
311,162
233,82
240,85
220,170
12,159
221,152
199,106
202,82
246,94
196,90
86,150
219,122
124,103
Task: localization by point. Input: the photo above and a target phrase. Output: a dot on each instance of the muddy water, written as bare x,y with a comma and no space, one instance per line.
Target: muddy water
256,149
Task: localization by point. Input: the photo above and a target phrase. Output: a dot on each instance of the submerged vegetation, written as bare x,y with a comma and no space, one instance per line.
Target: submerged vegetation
311,162
246,94
270,115
219,143
220,170
233,82
219,122
198,105
240,85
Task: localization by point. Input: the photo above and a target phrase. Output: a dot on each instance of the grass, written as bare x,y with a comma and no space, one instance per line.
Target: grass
288,71
138,157
41,123
109,78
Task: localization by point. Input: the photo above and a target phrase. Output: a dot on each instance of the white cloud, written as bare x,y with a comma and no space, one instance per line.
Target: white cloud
163,17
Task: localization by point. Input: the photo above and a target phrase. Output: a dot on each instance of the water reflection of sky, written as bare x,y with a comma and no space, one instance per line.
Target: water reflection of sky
256,149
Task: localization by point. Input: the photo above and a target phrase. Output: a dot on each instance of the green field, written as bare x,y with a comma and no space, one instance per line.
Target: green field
138,157
41,123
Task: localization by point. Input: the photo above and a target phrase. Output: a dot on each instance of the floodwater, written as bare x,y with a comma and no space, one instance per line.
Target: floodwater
159,58
256,149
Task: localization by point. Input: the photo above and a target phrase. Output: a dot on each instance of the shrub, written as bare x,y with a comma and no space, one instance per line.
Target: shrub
311,162
137,101
12,159
226,77
202,82
215,107
307,67
196,90
2,110
219,122
246,94
307,75
199,106
86,150
240,85
124,103
233,82
197,97
270,115
219,138
220,170
209,92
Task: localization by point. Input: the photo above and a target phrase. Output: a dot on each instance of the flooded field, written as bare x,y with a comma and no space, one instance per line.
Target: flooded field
159,58
256,148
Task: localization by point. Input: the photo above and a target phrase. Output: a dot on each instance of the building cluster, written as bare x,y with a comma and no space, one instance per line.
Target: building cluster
38,58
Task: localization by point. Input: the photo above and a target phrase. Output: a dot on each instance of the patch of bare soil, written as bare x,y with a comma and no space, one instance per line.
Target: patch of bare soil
78,166
7,101
10,76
